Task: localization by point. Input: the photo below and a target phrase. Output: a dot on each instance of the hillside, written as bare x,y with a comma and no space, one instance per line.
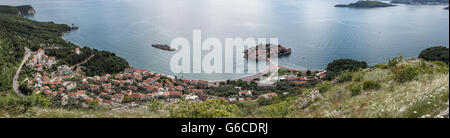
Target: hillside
420,1
365,4
17,32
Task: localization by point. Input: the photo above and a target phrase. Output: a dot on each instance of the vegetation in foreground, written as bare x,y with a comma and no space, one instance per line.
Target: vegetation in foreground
408,88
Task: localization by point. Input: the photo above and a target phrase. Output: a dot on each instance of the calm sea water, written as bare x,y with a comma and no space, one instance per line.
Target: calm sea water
316,31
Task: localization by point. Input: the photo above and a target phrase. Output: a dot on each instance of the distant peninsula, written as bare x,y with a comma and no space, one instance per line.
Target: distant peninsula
365,4
418,2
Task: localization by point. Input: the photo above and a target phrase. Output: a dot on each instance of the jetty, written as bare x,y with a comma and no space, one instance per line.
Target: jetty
253,52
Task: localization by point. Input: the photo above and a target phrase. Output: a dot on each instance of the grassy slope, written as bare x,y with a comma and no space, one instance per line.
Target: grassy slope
393,99
17,33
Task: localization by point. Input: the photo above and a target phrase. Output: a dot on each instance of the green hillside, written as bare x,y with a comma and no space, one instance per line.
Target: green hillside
420,1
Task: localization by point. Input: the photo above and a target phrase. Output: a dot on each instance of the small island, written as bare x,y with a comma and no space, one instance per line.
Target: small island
366,4
252,53
446,8
163,47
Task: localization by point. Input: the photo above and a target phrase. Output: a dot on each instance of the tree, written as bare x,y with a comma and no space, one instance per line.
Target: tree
339,65
438,53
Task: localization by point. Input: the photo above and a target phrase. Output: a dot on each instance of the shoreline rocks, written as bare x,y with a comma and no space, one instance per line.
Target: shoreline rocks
253,53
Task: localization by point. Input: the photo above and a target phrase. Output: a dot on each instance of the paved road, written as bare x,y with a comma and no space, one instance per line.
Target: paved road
15,83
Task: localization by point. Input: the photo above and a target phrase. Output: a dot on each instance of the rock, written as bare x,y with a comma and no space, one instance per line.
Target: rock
64,100
314,94
163,47
444,114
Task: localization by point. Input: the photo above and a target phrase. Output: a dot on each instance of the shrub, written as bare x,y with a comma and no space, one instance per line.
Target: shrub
155,105
355,90
438,53
279,110
339,65
371,85
41,100
358,77
24,89
405,73
264,102
15,104
344,76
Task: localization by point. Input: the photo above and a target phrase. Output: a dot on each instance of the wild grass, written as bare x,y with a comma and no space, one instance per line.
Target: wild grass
424,96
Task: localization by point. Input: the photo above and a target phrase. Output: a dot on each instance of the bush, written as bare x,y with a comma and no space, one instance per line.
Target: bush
393,62
247,107
15,104
264,102
358,77
24,89
405,73
344,76
355,90
339,65
371,85
41,100
438,53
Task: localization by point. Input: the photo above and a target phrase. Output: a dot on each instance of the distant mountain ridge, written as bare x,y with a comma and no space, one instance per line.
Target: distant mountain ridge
420,1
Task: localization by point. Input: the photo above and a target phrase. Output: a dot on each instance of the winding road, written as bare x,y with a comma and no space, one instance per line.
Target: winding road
16,76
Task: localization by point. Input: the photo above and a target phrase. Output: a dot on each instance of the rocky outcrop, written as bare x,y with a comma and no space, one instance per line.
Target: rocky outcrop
25,10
